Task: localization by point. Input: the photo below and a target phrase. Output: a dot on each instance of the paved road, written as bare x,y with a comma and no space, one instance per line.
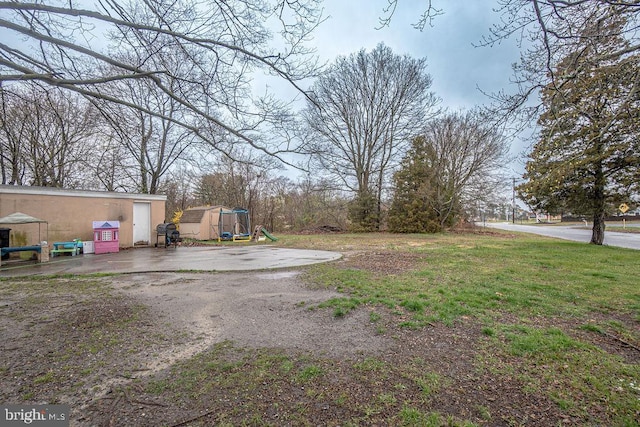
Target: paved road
575,233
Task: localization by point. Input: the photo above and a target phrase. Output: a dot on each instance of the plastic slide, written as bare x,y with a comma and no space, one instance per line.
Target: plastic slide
268,235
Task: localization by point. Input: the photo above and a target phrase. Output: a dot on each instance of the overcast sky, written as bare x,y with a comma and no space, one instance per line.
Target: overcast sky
457,67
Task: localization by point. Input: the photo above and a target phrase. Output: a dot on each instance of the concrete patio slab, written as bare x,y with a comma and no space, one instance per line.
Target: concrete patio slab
195,258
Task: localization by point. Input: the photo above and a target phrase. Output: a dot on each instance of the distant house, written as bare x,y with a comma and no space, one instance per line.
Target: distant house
70,213
213,223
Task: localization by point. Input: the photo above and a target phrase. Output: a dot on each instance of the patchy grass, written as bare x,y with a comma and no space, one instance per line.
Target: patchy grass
487,276
67,334
624,229
44,285
492,330
536,298
487,329
372,392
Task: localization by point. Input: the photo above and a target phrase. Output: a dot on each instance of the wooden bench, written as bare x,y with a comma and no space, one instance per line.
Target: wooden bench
7,250
33,248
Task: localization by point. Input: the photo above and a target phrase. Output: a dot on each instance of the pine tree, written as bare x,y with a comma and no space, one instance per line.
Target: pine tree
587,157
415,188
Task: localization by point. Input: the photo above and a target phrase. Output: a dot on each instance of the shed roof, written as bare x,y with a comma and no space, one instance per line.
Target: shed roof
192,215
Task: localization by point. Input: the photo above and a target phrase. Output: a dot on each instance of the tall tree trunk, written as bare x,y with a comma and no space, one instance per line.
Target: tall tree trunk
599,203
597,232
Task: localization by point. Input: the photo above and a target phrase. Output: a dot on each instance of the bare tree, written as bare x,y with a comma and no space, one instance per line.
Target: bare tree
469,152
237,183
314,203
178,188
109,166
224,44
14,131
153,145
47,135
272,205
364,109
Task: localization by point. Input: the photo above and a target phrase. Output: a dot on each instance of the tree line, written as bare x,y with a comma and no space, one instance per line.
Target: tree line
359,151
157,96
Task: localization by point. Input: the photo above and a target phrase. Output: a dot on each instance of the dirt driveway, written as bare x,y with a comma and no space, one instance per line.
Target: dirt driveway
252,309
81,340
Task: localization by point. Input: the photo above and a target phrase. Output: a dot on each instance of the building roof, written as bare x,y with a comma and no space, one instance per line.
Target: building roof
52,191
194,215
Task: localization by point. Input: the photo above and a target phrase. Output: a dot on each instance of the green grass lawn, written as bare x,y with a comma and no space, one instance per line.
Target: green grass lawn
487,276
542,303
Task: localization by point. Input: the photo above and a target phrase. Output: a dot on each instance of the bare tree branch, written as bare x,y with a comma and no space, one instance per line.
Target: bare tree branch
427,17
548,31
226,42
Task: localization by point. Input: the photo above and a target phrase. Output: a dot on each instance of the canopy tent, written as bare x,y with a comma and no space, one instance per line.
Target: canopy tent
21,218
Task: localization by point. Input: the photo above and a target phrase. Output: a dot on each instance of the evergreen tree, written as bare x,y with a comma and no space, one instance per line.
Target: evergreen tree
364,213
450,166
415,189
587,157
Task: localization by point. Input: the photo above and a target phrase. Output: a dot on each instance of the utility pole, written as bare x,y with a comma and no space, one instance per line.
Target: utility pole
513,201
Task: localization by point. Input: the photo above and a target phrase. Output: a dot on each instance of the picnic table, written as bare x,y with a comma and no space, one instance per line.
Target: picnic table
73,247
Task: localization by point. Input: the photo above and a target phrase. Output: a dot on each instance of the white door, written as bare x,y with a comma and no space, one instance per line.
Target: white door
141,223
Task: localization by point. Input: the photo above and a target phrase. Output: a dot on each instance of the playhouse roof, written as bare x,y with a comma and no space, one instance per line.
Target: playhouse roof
105,224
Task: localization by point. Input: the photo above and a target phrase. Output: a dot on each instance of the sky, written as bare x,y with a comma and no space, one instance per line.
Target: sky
458,69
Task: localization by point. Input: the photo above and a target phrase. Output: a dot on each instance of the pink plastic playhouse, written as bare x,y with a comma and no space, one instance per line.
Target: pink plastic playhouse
105,236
